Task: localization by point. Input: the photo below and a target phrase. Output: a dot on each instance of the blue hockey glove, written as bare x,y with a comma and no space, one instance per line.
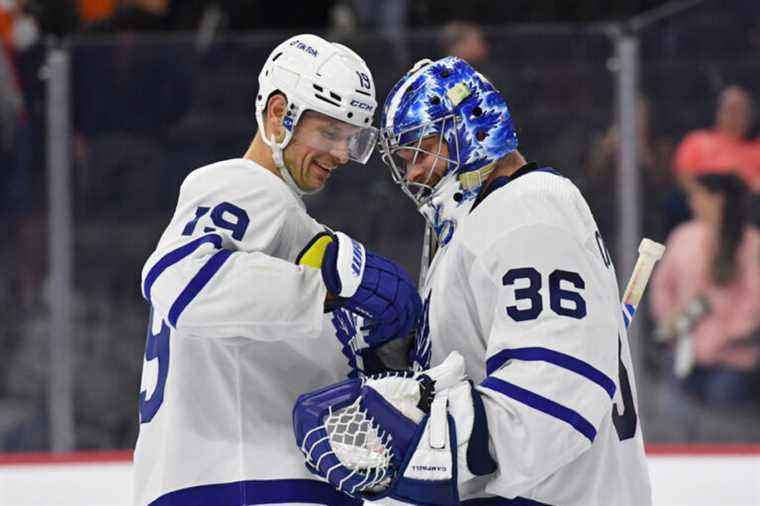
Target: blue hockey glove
364,360
365,283
412,437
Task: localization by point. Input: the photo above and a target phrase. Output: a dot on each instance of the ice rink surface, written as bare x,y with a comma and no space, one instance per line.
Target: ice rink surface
678,479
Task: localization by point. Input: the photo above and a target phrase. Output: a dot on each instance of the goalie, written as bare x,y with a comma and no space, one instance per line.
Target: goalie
538,407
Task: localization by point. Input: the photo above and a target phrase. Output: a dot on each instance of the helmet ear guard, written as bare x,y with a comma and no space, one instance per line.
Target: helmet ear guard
277,145
283,122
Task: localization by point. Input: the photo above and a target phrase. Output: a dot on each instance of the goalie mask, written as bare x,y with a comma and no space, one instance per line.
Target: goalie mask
450,102
324,77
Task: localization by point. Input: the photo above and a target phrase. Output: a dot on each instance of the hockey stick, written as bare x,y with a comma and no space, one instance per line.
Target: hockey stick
649,253
429,246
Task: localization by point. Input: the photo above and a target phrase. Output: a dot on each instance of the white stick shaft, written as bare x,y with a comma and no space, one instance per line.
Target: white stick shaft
649,253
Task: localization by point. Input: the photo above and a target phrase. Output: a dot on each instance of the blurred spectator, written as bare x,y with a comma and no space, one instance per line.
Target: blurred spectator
30,19
725,147
464,40
248,15
92,11
343,22
136,15
128,92
390,19
11,105
18,198
19,29
21,273
661,202
12,191
706,293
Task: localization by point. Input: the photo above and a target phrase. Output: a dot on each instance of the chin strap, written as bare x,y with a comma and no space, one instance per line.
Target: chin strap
475,178
284,170
277,149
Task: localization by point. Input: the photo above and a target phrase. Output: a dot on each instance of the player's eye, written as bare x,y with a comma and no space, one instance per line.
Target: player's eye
420,157
330,135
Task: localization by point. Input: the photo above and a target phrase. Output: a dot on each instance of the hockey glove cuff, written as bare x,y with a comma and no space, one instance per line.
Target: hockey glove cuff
367,284
340,258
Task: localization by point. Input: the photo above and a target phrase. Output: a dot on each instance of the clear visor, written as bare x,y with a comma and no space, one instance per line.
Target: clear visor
415,157
339,139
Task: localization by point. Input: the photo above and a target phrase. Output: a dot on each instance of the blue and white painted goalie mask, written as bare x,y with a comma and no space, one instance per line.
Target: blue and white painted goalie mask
450,102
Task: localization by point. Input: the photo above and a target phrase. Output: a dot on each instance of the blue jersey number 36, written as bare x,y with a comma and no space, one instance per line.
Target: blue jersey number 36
529,300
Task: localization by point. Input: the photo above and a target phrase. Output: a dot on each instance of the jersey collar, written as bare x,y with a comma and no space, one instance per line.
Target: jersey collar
500,181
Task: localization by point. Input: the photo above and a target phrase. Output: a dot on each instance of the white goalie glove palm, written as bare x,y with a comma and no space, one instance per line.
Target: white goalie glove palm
410,437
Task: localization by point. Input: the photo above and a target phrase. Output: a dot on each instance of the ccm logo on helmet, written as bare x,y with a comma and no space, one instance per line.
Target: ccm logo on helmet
361,105
304,47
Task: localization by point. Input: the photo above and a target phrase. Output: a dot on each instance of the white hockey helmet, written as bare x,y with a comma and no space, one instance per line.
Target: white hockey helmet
320,76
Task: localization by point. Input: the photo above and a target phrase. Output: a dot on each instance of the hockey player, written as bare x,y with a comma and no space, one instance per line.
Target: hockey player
524,289
238,326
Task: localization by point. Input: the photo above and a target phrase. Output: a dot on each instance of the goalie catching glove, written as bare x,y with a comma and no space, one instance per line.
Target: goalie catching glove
365,283
413,437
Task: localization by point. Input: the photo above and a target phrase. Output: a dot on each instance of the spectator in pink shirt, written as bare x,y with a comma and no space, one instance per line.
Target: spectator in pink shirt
713,263
725,148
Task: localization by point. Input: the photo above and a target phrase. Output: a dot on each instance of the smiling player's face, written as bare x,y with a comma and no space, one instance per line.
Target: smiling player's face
319,145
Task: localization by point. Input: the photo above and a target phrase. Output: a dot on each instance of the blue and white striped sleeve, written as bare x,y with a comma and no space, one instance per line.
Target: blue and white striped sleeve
551,359
205,287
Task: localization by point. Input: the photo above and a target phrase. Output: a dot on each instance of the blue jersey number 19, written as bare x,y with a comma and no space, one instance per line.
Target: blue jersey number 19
155,370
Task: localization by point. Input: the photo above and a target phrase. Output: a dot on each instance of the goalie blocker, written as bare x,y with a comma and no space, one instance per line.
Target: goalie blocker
409,436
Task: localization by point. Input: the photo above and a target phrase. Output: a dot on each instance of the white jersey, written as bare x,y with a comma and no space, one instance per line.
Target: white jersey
526,292
237,333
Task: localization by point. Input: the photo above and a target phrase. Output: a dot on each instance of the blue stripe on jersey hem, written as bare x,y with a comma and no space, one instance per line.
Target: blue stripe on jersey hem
244,493
553,357
502,501
175,256
193,288
535,401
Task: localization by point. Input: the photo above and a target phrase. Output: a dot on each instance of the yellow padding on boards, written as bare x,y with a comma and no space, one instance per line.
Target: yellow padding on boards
314,252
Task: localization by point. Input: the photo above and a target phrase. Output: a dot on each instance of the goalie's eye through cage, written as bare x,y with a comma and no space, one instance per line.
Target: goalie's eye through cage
409,143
